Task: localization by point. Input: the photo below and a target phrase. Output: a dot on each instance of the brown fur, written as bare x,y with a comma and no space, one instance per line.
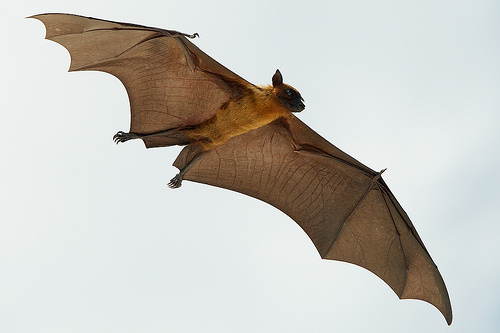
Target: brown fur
259,107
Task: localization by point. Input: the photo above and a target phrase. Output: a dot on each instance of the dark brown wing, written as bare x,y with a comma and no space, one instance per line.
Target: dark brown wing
170,82
344,207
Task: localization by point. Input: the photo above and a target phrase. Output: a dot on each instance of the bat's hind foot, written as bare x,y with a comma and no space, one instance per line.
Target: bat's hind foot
175,182
124,137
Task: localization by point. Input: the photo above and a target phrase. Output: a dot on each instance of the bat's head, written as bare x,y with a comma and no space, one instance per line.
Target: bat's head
287,95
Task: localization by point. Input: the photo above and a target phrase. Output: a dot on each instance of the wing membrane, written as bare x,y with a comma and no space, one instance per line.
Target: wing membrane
170,82
344,207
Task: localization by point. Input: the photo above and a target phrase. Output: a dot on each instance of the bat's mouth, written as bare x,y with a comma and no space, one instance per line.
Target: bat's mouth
298,105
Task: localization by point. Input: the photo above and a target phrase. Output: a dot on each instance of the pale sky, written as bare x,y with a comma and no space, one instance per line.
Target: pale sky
92,240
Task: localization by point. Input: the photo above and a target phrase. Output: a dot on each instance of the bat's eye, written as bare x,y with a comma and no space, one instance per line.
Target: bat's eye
289,92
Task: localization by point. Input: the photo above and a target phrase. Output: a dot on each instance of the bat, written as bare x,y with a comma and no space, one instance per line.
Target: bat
246,138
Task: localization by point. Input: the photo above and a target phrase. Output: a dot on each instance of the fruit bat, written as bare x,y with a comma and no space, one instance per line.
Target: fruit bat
246,138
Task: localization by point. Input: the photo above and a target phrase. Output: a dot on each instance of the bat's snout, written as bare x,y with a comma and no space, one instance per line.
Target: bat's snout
299,105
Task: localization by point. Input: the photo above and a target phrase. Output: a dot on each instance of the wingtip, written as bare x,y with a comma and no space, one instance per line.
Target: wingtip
37,16
444,309
448,316
446,312
33,16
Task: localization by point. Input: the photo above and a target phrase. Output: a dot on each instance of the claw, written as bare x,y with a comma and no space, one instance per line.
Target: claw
117,136
121,136
175,182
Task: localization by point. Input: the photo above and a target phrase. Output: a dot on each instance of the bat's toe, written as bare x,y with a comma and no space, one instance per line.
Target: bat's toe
121,136
175,182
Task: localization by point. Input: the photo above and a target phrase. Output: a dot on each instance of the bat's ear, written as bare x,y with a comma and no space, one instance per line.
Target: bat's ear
277,78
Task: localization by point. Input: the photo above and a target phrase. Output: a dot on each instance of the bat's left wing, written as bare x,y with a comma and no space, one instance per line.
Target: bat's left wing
344,207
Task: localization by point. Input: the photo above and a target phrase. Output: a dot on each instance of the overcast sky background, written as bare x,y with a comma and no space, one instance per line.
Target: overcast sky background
92,240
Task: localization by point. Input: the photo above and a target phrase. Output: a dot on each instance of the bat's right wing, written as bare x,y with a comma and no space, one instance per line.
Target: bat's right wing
171,83
344,207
